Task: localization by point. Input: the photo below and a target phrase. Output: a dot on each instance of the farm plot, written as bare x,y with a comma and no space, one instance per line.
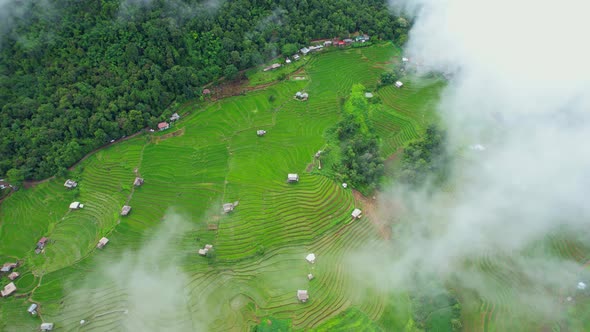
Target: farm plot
257,263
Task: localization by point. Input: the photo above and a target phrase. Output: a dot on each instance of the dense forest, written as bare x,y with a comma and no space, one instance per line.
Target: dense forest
76,74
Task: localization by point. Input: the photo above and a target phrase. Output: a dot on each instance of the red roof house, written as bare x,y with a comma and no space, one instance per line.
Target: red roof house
163,125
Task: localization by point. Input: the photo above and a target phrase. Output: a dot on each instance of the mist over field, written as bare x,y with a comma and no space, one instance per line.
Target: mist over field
146,287
519,86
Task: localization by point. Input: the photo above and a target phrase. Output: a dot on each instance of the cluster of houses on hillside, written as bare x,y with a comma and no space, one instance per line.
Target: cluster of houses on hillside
318,46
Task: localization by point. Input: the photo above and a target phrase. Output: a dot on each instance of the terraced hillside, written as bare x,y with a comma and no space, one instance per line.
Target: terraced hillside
150,276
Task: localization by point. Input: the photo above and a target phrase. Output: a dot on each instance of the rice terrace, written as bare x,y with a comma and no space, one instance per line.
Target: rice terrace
221,219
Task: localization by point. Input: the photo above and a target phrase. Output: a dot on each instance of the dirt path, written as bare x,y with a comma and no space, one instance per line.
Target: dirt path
370,211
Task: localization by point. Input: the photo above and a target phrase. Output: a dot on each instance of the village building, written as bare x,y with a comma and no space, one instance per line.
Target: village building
138,182
368,95
581,285
328,43
42,242
292,177
32,309
296,57
8,289
163,126
206,91
302,295
347,41
356,213
205,250
76,205
260,132
309,276
344,185
174,117
301,96
405,60
228,207
70,184
310,258
125,210
102,242
7,267
13,275
288,61
340,43
304,50
399,84
362,38
46,327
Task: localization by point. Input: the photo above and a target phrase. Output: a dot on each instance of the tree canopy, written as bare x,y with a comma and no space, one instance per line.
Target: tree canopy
76,74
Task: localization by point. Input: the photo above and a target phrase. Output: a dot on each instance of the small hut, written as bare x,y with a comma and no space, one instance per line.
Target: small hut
8,289
70,184
260,132
344,185
102,242
206,91
399,84
368,95
76,206
301,96
203,252
138,182
581,285
32,309
46,327
292,177
302,295
228,207
42,242
174,117
356,213
13,275
310,258
125,210
163,125
7,267
405,60
310,276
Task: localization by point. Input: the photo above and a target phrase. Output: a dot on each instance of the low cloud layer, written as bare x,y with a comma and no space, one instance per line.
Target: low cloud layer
143,289
521,88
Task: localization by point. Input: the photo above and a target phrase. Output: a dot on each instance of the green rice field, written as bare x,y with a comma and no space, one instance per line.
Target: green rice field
150,276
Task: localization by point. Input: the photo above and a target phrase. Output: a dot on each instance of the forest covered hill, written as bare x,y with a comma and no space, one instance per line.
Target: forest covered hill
74,75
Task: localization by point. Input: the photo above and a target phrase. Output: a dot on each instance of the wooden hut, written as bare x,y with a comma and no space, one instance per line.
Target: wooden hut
302,295
138,182
8,289
356,213
125,210
102,242
70,184
76,206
